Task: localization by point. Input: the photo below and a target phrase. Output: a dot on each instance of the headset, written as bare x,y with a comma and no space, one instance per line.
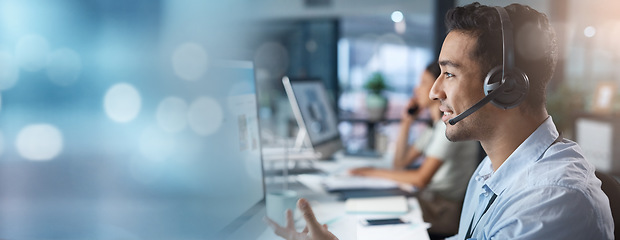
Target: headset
505,85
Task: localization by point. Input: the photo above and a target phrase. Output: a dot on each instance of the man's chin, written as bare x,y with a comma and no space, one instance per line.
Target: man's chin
451,138
456,136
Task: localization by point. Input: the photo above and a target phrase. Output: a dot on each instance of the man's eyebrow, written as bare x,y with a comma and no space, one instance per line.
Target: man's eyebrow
449,63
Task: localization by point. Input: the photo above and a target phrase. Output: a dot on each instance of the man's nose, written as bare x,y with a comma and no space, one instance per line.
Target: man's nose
437,92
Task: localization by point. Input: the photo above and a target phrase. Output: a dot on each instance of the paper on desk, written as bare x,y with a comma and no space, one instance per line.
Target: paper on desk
377,205
347,182
312,181
394,232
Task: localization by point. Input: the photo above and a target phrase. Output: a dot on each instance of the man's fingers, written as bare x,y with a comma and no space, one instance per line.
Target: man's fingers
277,229
290,222
311,223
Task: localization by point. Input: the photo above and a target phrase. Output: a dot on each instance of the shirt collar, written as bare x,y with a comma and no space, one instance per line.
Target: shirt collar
486,170
527,153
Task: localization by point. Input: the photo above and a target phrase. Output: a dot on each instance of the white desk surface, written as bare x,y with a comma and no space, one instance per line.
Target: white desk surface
329,210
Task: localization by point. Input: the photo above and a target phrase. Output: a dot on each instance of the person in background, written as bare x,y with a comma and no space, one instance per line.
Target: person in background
446,166
533,184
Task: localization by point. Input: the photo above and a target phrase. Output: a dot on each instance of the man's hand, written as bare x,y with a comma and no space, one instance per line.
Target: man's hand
313,230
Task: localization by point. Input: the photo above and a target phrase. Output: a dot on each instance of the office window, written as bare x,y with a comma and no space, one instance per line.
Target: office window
375,44
399,63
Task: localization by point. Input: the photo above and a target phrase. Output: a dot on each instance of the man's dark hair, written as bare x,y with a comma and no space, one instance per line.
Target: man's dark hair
535,42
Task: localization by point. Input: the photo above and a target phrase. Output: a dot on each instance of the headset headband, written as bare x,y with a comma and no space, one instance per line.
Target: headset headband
507,41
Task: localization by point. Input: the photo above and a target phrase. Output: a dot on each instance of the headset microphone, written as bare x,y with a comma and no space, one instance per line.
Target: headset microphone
478,105
505,86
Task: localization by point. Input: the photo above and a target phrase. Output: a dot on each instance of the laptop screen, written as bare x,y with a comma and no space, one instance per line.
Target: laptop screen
130,159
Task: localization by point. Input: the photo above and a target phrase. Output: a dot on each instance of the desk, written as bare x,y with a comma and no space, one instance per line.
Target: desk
329,210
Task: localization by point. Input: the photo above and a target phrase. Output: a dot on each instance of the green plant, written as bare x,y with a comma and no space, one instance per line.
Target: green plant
376,83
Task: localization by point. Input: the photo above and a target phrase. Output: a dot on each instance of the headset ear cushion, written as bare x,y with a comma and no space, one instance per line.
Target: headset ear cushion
517,89
493,80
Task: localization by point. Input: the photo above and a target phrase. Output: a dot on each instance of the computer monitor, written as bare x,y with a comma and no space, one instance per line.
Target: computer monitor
315,115
598,138
143,158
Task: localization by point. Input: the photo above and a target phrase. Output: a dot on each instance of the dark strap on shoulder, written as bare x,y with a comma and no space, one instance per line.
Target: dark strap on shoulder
470,231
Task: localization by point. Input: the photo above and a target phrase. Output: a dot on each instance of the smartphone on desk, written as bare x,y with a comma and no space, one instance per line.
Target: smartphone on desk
382,221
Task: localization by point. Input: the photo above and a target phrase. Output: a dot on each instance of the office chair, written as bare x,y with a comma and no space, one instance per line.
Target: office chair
611,187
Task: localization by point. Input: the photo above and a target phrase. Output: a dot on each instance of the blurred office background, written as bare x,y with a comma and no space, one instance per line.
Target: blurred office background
345,43
84,79
111,120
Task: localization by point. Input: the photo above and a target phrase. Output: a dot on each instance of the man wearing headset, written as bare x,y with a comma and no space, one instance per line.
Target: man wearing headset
534,184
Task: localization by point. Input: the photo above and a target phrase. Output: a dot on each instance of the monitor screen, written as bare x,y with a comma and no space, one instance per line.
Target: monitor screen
313,111
159,158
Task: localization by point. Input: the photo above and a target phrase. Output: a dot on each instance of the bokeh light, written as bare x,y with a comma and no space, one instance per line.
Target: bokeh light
9,72
122,102
589,31
311,46
262,75
31,52
397,16
273,58
64,66
172,114
205,116
39,142
189,61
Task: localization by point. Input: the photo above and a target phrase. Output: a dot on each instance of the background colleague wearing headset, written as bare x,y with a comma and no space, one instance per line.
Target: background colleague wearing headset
533,184
447,166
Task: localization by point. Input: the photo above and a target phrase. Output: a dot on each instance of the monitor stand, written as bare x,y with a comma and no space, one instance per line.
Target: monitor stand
301,139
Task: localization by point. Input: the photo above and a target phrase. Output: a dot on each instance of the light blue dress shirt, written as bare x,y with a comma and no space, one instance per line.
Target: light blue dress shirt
544,191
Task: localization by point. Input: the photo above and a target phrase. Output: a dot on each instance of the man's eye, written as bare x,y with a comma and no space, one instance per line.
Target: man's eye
448,75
